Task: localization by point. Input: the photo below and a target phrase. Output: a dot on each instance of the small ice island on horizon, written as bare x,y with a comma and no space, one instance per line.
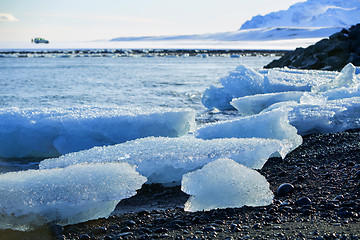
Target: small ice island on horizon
38,40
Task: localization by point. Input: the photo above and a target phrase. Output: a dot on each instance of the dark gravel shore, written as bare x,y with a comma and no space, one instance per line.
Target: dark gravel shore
320,201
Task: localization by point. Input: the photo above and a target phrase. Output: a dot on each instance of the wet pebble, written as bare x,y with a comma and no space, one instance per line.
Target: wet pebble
129,223
339,198
209,229
357,175
285,189
196,219
345,214
84,237
56,229
160,230
234,228
126,229
257,226
99,230
125,234
300,178
145,230
303,201
330,206
143,213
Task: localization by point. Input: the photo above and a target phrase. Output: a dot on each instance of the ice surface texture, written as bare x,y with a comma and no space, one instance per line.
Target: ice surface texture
332,116
165,160
223,184
273,125
32,198
327,102
347,78
254,104
330,107
245,81
52,132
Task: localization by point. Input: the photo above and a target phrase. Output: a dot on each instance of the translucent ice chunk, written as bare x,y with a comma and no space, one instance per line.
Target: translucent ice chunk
346,78
334,116
32,198
244,81
254,104
224,183
273,124
241,82
165,160
53,132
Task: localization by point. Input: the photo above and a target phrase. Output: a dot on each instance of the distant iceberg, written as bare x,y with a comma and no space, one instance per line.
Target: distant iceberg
165,160
52,132
33,198
225,184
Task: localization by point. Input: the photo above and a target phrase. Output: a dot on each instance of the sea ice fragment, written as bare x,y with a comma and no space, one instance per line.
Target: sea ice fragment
78,193
273,125
52,132
224,183
165,160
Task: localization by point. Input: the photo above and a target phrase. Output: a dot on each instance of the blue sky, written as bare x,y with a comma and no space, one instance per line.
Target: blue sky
77,20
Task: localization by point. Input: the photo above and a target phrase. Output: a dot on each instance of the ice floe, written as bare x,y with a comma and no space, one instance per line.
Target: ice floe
327,102
78,193
332,116
223,184
347,78
244,81
165,160
272,125
52,132
254,104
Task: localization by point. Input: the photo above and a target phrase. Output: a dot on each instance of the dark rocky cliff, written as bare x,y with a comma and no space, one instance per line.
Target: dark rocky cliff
332,53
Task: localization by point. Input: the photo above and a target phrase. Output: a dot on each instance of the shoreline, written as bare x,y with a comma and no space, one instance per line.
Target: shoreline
325,169
146,52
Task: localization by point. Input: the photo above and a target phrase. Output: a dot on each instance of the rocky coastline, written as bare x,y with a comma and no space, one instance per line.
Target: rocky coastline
331,53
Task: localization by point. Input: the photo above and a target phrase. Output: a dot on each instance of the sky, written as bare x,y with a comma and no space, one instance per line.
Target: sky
87,20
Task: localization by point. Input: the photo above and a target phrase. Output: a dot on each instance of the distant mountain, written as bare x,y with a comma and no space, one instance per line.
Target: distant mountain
261,34
310,19
312,13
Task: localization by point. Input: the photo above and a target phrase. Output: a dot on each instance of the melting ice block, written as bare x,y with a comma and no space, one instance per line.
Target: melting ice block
244,81
273,125
286,80
165,160
32,198
331,116
254,104
347,78
224,183
241,82
52,132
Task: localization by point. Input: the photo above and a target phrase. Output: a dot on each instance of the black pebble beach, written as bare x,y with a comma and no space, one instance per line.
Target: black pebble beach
324,203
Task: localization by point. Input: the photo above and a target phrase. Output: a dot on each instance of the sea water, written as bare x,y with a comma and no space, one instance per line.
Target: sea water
146,82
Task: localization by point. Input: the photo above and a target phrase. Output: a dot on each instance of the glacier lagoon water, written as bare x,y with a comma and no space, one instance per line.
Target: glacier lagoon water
111,82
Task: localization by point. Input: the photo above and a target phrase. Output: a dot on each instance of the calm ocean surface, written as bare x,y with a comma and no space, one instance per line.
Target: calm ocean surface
146,82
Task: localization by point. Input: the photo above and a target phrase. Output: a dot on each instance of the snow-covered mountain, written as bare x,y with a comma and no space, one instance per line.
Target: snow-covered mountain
260,34
312,13
312,19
